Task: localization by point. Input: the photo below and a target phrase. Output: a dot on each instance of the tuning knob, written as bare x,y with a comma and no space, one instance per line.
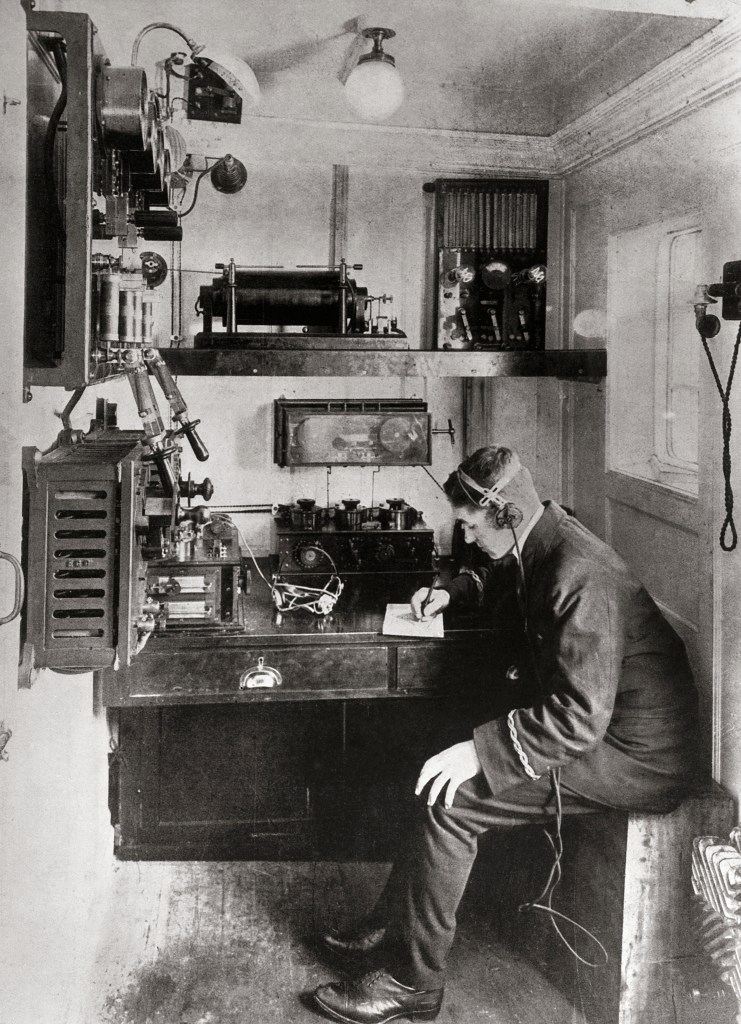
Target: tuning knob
461,275
308,556
188,489
384,552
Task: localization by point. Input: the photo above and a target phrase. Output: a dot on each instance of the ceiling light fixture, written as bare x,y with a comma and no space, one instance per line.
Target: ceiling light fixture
374,87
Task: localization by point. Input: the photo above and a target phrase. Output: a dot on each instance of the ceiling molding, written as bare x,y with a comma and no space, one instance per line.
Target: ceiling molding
710,9
291,140
703,72
706,70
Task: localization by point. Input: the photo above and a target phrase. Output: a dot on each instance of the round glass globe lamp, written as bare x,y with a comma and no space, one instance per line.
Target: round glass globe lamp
374,88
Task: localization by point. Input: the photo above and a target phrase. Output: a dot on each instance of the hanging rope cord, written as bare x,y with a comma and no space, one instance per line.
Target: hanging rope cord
725,397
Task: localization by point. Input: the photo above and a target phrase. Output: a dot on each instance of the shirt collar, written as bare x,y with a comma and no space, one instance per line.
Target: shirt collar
534,520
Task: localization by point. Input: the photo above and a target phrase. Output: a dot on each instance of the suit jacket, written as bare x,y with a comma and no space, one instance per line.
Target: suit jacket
609,697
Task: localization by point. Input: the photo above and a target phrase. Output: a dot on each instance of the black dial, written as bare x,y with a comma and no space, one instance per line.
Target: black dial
309,556
384,552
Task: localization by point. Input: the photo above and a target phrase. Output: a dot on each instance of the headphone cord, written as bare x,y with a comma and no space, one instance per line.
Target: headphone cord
544,902
295,595
725,397
220,517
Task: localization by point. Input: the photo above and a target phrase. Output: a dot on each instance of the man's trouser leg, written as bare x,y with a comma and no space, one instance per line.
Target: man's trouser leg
424,891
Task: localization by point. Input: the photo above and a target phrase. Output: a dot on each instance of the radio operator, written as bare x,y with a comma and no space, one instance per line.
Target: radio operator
608,719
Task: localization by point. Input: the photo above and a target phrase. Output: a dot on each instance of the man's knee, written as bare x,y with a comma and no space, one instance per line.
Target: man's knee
460,819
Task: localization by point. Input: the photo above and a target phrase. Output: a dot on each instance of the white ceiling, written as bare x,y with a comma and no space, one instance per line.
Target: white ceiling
523,67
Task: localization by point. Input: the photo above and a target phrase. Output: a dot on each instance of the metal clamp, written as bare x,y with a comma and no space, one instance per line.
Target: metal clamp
262,677
19,587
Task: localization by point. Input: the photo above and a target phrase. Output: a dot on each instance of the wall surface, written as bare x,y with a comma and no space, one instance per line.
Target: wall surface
669,538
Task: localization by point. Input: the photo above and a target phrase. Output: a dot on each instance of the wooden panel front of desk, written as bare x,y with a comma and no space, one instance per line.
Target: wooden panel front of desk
324,764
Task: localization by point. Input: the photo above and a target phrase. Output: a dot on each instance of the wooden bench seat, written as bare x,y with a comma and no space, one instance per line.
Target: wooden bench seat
627,878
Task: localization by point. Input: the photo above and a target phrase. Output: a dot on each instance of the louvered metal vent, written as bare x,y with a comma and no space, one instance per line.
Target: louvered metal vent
491,218
82,558
81,546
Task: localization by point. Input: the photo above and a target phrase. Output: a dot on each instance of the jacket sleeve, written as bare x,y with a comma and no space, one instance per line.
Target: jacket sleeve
578,650
472,583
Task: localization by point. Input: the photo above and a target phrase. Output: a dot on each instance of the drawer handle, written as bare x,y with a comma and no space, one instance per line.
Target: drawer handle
262,677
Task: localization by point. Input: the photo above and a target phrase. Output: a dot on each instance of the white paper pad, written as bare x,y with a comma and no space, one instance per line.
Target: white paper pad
400,621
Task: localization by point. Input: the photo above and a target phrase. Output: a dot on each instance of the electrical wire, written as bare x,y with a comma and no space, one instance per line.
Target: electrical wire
50,182
200,177
544,902
219,517
727,424
184,213
437,482
288,597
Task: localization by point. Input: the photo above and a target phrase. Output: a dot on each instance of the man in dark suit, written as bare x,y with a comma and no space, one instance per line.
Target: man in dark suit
606,718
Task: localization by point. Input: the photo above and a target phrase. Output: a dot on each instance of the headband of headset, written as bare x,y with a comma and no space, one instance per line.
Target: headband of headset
491,495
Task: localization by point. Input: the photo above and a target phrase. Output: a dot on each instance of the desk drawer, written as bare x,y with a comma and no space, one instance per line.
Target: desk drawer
447,667
243,673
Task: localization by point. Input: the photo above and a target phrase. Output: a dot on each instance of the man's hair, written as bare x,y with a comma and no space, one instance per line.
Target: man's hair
485,466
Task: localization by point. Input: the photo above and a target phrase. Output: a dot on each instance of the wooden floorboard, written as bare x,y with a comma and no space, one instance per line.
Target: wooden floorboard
229,943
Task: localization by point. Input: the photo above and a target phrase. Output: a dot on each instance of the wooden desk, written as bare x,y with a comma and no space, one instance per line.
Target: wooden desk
344,655
325,761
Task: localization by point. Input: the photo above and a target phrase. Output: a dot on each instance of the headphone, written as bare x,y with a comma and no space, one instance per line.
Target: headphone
508,516
320,600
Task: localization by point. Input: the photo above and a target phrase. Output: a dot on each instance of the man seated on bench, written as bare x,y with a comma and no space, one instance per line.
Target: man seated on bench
607,718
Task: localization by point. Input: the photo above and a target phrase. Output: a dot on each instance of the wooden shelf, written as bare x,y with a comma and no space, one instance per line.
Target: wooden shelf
571,364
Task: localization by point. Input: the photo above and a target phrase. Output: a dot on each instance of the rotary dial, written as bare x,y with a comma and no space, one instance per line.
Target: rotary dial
309,556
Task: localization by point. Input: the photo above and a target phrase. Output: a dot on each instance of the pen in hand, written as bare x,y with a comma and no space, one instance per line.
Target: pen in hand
429,595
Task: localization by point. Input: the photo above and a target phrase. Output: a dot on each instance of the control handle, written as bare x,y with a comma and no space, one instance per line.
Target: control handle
165,471
189,489
199,448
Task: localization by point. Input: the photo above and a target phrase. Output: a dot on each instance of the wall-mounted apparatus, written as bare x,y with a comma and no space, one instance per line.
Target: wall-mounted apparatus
218,84
318,306
102,163
491,242
99,164
367,432
113,549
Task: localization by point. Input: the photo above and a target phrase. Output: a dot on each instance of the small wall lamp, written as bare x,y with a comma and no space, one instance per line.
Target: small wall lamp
374,88
233,72
228,175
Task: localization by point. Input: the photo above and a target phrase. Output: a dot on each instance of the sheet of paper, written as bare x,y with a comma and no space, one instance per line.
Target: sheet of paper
400,621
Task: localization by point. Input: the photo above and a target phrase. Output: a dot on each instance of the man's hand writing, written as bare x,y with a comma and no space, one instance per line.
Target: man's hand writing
450,767
439,600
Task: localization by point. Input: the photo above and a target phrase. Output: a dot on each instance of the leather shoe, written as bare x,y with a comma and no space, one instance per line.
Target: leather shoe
355,944
377,998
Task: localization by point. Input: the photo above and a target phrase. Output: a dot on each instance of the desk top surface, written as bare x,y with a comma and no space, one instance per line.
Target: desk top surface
357,617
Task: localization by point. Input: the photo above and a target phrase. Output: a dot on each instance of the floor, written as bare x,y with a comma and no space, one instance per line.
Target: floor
230,943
